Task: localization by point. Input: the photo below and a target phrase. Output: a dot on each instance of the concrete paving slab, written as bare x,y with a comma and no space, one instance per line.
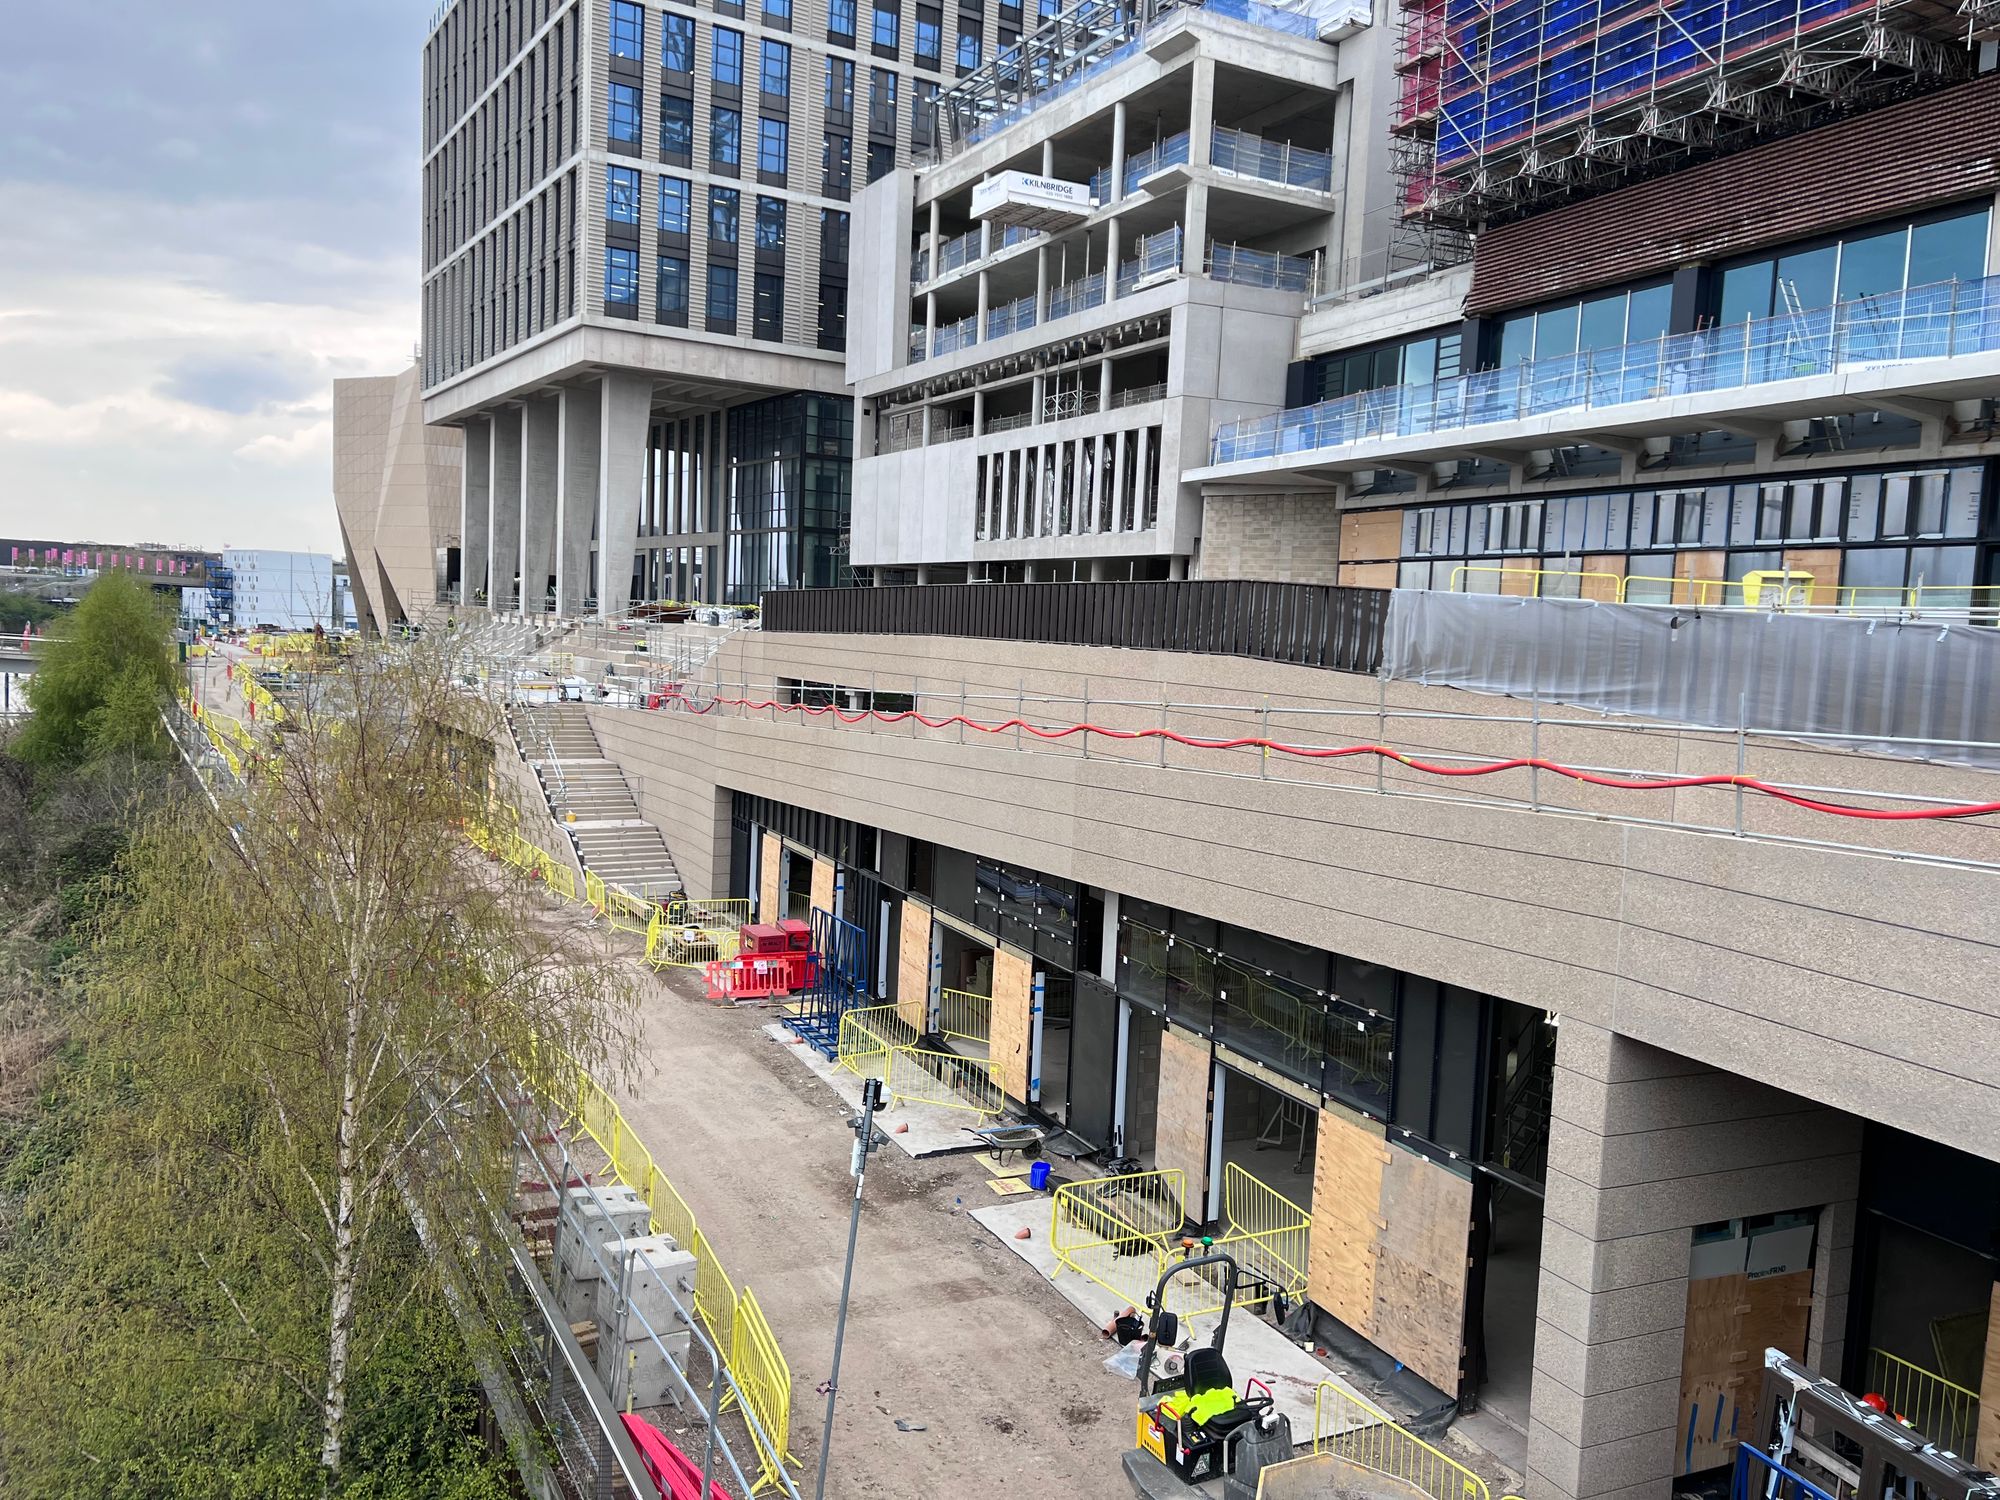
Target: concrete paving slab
932,1132
1254,1348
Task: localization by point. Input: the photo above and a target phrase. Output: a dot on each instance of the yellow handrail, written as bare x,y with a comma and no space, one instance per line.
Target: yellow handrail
1940,1409
1365,1435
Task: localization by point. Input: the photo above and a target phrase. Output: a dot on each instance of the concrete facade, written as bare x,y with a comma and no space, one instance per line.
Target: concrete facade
1731,1009
397,485
1057,385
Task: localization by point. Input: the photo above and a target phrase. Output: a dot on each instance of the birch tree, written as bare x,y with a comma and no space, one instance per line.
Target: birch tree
331,977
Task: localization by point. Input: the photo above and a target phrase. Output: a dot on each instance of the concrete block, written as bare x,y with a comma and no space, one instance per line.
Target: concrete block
591,1219
650,1275
635,1372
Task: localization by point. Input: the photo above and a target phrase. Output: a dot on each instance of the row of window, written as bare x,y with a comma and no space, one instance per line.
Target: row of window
1942,502
625,192
673,282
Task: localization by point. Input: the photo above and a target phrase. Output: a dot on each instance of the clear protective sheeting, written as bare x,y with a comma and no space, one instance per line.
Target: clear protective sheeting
1889,685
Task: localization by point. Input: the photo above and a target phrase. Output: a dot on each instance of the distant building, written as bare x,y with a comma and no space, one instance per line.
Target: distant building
396,487
282,590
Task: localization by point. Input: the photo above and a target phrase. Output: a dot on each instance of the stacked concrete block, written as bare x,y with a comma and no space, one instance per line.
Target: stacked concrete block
593,1218
644,1308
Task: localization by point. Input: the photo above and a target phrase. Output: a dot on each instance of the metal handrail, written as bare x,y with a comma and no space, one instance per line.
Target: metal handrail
1937,321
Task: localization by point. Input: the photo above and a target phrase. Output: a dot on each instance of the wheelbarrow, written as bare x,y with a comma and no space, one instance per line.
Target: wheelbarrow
1026,1139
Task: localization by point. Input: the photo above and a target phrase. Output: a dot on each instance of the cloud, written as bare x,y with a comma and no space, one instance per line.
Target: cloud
174,384
238,384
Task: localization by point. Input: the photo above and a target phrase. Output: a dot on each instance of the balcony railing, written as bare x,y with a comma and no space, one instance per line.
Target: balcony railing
1075,296
1153,254
1010,422
1287,273
1171,152
955,336
1060,405
954,253
920,267
1139,395
1941,321
917,350
1271,161
1010,317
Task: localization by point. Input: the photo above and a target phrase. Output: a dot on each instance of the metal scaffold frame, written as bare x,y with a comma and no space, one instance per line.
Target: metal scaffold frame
1504,106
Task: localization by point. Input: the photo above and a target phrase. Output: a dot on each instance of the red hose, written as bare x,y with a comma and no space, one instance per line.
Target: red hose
1338,752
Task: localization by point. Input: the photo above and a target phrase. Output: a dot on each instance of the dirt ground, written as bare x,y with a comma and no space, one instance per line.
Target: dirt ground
946,1327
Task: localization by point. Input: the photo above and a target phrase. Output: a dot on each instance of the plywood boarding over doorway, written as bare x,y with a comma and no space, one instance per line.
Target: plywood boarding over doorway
1180,1141
1421,1278
913,967
822,886
1013,991
1346,1233
1388,1252
770,869
1731,1321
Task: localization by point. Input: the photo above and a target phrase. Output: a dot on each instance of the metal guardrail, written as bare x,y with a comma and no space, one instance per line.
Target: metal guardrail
1010,317
1942,1410
1363,1434
1250,155
1927,322
945,1079
1313,625
966,1017
1075,296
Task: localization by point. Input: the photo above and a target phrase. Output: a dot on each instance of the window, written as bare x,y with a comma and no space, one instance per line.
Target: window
774,72
768,305
676,126
887,26
1913,505
836,165
728,70
673,289
677,44
881,159
628,29
722,213
673,205
930,36
773,147
839,88
621,277
832,329
1601,322
722,299
1514,526
923,114
770,225
624,128
968,51
840,21
833,238
725,139
1801,511
621,195
1948,246
881,102
1417,361
779,11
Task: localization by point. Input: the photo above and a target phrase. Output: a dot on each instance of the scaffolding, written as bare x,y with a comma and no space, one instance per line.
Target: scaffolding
1505,106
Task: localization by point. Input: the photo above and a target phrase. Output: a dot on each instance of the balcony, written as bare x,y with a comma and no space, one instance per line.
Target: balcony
1241,267
1010,317
1075,296
1929,343
952,337
1281,162
1154,255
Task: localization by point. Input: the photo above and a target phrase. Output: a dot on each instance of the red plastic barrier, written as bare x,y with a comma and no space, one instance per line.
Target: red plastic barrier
677,1476
759,977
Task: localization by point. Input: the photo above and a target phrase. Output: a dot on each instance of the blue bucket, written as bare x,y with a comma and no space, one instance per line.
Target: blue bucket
1038,1175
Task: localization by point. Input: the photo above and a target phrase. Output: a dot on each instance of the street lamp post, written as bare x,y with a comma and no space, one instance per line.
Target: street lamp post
864,1145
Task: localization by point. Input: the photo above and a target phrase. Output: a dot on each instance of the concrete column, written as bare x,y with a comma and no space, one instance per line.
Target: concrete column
1111,239
1049,156
576,496
1118,152
1644,1146
541,463
504,527
621,482
1201,111
1194,239
980,326
1041,283
475,497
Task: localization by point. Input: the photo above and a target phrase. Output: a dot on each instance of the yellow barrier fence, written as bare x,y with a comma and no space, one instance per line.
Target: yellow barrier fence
1943,1411
732,1319
1363,1434
686,911
1267,1233
966,1017
868,1034
945,1079
627,912
1118,1231
672,945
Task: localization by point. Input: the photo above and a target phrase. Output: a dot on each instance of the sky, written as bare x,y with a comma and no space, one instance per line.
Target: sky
208,213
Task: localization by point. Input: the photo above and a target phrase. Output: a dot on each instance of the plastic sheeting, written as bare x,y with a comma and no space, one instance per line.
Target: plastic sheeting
1885,684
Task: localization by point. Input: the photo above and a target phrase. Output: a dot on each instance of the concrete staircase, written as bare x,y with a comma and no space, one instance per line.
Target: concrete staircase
590,800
